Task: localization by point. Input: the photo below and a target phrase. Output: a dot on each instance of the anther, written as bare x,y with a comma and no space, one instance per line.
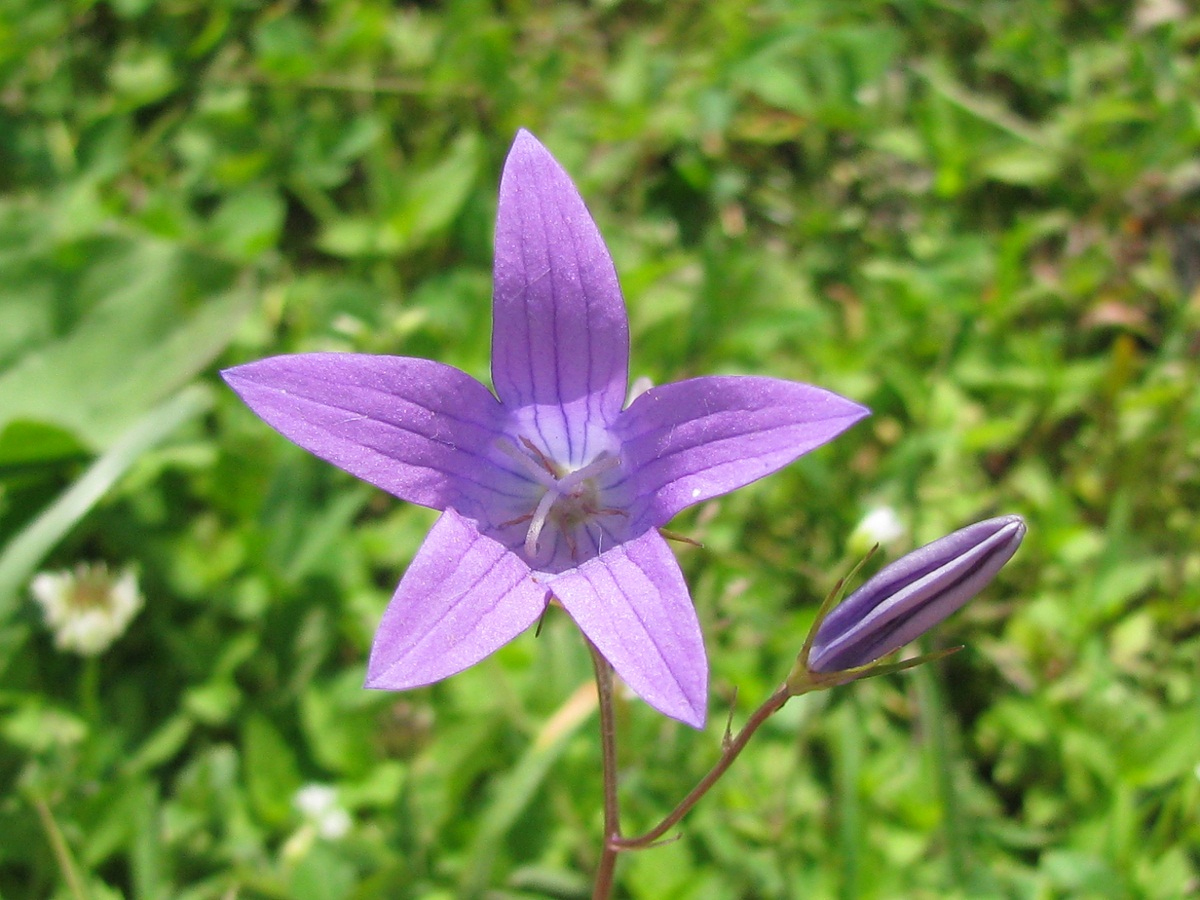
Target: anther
537,470
540,456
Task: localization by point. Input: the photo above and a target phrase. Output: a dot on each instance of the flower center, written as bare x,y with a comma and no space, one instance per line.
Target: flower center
92,590
571,499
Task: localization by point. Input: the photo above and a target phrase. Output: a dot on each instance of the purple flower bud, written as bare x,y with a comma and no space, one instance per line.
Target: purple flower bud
908,597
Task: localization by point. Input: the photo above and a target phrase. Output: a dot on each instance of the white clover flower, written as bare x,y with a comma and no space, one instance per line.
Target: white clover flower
318,803
87,608
880,526
1149,14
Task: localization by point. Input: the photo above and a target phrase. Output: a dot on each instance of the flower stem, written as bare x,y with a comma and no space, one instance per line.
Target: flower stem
608,749
731,751
89,690
58,844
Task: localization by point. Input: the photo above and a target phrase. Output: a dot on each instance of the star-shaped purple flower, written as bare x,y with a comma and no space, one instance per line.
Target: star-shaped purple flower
551,487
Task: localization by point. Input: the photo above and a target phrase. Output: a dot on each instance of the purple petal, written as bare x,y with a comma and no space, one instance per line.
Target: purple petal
416,428
633,604
560,338
464,596
692,440
909,596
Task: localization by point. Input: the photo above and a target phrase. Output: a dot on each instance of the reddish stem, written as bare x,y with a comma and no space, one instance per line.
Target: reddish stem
732,749
608,751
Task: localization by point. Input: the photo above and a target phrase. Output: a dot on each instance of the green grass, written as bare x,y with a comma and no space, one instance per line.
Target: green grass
979,219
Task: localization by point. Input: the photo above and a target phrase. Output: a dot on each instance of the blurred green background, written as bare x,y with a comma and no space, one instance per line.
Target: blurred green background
980,219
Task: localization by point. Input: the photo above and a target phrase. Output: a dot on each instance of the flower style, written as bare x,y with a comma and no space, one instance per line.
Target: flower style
908,597
550,488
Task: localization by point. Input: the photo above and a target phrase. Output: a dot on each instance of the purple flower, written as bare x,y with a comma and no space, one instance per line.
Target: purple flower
550,487
908,597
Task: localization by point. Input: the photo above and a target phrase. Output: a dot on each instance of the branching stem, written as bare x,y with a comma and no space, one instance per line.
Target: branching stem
614,844
730,752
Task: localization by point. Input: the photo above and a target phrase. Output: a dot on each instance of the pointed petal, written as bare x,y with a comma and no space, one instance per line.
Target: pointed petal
692,440
633,604
416,428
464,596
560,339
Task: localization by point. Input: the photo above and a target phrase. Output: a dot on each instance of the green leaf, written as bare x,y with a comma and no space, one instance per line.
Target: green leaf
513,793
214,702
164,743
132,344
340,721
428,201
24,443
323,875
1023,165
148,856
141,75
248,223
271,771
35,726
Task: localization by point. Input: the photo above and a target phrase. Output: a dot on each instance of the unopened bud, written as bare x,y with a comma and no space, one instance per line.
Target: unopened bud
908,597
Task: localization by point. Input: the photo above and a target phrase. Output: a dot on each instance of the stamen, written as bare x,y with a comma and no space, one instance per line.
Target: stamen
517,521
535,470
541,457
681,538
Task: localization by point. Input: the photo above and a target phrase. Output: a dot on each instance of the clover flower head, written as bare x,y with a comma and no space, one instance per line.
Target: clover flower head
318,804
550,487
881,525
908,597
87,608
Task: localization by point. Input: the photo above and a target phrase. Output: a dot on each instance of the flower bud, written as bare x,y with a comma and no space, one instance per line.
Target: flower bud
911,595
